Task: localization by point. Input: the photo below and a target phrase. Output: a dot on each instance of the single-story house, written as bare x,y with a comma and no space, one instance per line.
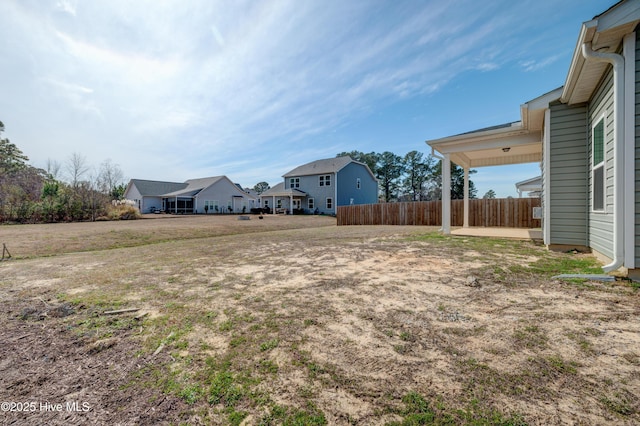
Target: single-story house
216,194
323,185
533,187
584,134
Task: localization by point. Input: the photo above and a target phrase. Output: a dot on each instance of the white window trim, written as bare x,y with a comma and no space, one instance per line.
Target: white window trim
311,203
324,180
328,201
358,183
602,164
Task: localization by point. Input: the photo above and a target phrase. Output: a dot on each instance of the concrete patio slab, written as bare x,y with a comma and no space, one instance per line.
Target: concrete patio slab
513,233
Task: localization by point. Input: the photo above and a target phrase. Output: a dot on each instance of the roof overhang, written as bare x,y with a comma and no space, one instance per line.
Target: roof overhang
285,193
605,33
513,143
533,184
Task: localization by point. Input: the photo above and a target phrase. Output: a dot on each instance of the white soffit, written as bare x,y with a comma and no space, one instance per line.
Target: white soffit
605,33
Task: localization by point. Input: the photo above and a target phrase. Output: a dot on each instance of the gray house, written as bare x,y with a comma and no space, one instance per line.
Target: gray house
584,137
216,194
323,185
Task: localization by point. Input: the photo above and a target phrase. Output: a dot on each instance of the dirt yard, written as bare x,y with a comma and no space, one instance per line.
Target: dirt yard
292,320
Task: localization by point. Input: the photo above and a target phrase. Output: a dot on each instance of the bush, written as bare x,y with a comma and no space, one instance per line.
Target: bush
122,213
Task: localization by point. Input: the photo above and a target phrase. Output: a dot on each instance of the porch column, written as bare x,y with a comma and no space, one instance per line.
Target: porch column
273,206
465,223
291,204
176,209
446,194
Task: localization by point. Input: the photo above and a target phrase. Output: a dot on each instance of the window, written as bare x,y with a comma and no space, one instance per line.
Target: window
597,173
296,203
278,203
266,202
311,204
325,180
329,203
358,183
210,206
294,183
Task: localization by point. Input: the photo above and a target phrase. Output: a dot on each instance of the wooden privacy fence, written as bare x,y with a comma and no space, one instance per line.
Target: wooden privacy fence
496,212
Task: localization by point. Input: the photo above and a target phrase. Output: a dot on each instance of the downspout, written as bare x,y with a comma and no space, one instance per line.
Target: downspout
618,158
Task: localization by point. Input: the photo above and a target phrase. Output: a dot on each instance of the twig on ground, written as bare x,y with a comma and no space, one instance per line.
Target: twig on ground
121,311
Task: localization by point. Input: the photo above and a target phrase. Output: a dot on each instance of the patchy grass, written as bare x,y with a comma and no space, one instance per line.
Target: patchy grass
325,325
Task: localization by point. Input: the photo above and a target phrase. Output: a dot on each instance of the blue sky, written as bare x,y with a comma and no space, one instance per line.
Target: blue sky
173,90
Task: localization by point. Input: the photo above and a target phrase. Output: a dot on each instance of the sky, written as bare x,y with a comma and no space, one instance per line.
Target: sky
174,90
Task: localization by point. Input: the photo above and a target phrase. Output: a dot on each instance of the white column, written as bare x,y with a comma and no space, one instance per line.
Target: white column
446,194
465,222
273,207
291,204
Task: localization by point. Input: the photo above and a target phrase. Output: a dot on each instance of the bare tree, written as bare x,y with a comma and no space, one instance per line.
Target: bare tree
76,168
53,168
109,176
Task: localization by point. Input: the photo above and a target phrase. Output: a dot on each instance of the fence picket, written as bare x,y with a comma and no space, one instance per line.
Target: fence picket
505,212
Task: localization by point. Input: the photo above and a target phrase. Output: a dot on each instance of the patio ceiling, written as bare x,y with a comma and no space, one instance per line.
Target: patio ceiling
512,143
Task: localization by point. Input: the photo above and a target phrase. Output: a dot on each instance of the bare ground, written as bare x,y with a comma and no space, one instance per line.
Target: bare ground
250,322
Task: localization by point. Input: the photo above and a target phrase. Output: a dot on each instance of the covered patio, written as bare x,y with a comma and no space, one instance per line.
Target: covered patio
295,196
512,143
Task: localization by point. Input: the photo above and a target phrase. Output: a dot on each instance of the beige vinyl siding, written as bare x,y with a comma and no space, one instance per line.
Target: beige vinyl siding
601,223
637,137
567,188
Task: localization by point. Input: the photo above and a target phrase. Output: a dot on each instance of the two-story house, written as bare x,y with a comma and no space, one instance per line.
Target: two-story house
321,186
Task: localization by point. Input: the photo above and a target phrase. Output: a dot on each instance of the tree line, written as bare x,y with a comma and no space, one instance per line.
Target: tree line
63,192
412,177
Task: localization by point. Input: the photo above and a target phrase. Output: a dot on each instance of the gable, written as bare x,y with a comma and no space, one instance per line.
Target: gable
319,167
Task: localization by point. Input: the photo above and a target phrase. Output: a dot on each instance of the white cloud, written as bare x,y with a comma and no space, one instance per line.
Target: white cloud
173,84
67,6
531,65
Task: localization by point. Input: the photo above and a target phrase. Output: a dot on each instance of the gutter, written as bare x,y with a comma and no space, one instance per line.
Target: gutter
618,152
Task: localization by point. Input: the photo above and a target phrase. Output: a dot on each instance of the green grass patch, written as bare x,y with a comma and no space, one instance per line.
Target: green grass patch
417,410
292,416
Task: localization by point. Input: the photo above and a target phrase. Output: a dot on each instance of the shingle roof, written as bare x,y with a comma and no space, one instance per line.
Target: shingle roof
280,191
150,188
329,165
193,186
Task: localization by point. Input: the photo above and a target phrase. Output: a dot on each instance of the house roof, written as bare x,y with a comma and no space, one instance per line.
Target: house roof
533,184
194,186
280,191
190,188
150,188
605,32
327,165
511,143
318,167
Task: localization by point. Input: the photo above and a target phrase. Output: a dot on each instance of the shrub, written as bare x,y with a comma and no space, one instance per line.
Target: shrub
122,213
